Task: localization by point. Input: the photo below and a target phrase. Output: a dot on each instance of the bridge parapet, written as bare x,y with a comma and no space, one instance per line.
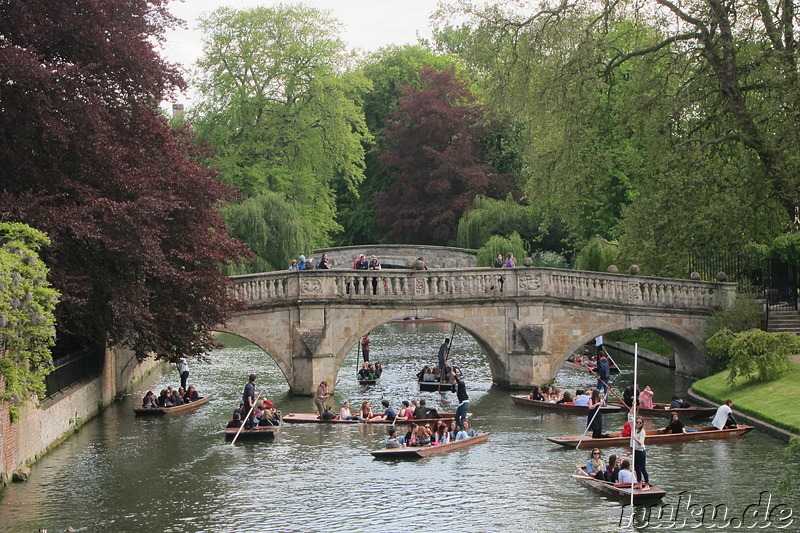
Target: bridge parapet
279,288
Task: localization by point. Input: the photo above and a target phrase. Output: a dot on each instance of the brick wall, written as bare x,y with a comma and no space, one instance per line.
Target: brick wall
39,429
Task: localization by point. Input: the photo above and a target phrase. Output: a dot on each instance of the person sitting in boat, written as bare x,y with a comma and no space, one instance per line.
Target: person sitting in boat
646,398
269,416
363,372
588,361
422,437
436,372
555,395
675,425
595,466
626,429
149,401
724,417
625,474
378,370
421,374
191,395
467,432
236,421
546,391
345,414
328,414
405,412
412,430
453,430
163,398
536,394
612,468
177,399
423,411
441,435
388,413
678,403
566,398
366,411
627,395
582,397
393,441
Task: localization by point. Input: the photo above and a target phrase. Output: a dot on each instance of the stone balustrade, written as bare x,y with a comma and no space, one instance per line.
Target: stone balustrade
278,288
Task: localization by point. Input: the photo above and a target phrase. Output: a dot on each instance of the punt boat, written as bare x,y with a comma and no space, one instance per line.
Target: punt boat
664,410
414,452
653,437
257,433
620,491
562,407
189,406
312,418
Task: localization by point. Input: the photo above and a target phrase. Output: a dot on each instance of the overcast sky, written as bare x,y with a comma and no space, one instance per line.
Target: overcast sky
369,24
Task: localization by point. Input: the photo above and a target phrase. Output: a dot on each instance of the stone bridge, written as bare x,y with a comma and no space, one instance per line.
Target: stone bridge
527,324
401,256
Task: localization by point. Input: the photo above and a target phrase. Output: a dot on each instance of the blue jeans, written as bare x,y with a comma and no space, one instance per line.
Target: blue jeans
461,413
640,465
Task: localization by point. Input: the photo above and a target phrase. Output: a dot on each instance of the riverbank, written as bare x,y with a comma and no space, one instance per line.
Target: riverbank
647,355
767,406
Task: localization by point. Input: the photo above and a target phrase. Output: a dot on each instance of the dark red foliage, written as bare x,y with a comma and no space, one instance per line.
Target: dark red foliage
88,158
432,152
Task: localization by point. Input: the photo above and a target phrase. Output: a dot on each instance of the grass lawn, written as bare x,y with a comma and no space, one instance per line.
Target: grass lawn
771,401
649,340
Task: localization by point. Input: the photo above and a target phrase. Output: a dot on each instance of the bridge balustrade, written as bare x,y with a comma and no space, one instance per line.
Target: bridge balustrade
280,288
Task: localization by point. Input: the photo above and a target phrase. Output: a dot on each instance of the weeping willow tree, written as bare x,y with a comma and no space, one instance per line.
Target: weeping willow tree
597,255
273,229
498,245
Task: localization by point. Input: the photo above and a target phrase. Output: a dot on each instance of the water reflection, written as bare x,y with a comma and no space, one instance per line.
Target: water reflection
178,474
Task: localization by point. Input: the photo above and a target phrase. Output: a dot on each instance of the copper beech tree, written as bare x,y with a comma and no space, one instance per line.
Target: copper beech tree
88,159
433,153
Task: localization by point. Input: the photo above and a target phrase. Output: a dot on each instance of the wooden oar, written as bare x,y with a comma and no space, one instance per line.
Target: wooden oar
609,388
255,400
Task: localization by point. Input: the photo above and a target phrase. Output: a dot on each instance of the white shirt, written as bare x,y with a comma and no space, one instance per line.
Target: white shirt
722,416
626,476
582,400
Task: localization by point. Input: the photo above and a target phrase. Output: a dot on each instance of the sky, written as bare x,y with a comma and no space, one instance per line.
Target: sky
369,24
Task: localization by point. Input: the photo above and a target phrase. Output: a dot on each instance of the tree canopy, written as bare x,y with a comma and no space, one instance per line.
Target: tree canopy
282,108
90,160
433,155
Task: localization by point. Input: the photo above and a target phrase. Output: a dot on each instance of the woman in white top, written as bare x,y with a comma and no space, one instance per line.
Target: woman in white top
344,413
625,474
639,452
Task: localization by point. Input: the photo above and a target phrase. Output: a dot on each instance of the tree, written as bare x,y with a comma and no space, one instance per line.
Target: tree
282,109
753,353
90,160
663,127
388,70
26,315
434,158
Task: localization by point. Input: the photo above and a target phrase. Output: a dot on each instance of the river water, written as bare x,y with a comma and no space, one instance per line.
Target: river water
177,474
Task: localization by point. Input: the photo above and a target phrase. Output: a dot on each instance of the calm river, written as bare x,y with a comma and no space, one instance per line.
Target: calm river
122,474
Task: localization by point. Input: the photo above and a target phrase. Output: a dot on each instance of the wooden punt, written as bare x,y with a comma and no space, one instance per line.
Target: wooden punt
619,491
312,418
653,437
191,406
561,407
664,410
414,452
415,320
435,386
569,365
366,382
257,433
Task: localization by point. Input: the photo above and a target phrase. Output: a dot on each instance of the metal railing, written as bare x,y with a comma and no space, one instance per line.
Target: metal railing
74,367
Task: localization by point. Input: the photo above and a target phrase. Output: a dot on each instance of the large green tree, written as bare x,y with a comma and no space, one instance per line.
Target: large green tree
282,108
627,110
90,160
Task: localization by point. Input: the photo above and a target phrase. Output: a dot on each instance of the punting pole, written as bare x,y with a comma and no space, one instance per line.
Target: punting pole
245,419
447,358
635,403
610,390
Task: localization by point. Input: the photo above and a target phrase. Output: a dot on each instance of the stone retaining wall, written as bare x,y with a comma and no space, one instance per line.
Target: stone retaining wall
40,429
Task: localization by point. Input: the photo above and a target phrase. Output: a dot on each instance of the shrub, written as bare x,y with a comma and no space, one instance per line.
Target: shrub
754,353
597,255
549,259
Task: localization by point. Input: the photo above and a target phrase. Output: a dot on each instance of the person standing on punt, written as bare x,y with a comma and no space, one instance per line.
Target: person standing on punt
365,347
595,418
463,402
322,395
249,400
444,351
183,371
640,453
603,371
